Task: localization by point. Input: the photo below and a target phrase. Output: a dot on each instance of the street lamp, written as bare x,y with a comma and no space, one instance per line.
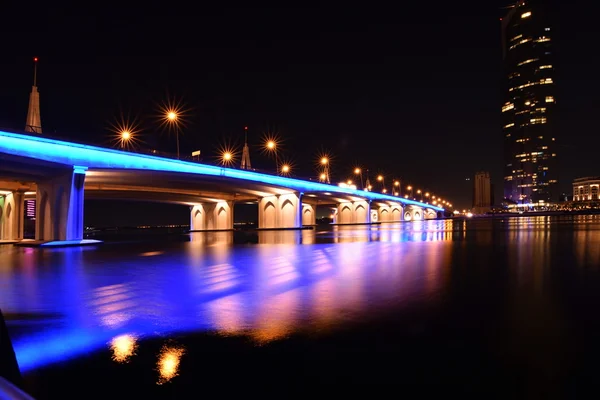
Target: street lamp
358,171
325,163
271,145
285,169
419,192
381,178
409,188
172,119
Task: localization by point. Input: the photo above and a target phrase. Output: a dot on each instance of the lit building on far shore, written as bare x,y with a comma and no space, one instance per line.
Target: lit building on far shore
483,197
586,189
528,115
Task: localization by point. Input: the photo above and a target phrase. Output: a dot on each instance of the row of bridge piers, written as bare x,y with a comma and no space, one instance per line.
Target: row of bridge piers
60,206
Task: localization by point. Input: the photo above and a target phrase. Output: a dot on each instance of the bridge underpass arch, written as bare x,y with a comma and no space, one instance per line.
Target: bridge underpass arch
288,217
269,214
345,214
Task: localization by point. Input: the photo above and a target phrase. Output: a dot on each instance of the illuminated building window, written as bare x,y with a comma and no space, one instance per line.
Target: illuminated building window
545,66
526,15
508,106
522,112
546,29
508,135
553,154
519,43
544,147
546,81
527,61
549,99
540,137
509,125
534,121
542,39
516,37
527,103
541,109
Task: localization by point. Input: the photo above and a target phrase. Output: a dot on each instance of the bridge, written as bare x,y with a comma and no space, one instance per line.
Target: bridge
59,174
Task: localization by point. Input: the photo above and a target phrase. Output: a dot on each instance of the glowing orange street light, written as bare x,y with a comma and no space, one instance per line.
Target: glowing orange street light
271,145
358,171
172,118
323,176
285,169
324,161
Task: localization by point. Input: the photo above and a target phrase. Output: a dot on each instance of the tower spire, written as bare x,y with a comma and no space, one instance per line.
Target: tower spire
34,121
246,152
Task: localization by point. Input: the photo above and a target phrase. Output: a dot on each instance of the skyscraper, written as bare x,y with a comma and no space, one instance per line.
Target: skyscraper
528,111
34,121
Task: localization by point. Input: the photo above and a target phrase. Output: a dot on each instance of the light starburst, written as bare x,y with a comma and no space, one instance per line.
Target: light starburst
125,133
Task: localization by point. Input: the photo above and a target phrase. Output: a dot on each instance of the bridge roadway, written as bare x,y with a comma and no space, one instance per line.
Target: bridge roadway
58,174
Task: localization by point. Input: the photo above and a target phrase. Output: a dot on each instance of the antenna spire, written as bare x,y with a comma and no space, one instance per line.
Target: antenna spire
33,123
35,60
246,151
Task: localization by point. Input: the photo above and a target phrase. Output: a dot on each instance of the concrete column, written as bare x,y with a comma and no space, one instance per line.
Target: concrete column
59,203
413,213
280,211
309,216
354,212
212,216
11,216
389,212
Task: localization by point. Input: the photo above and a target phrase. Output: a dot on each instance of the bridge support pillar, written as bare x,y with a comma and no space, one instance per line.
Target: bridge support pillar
59,203
11,216
283,211
389,212
212,216
309,215
353,212
413,213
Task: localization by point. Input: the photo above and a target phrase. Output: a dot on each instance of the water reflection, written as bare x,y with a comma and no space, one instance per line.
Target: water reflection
293,280
168,363
123,347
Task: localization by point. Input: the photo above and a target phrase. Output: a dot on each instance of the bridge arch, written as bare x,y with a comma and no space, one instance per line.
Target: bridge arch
269,213
384,215
288,214
396,213
222,218
345,214
361,213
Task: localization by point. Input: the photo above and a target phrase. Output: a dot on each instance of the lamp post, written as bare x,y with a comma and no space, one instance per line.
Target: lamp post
409,188
325,164
172,118
271,145
420,194
358,171
125,138
381,178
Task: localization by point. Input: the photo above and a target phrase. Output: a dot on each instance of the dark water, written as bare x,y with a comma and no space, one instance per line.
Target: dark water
498,308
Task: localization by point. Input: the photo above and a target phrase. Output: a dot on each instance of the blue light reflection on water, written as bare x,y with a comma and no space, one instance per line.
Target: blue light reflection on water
87,296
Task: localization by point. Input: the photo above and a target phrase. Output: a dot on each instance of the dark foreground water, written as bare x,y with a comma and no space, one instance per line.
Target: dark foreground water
499,308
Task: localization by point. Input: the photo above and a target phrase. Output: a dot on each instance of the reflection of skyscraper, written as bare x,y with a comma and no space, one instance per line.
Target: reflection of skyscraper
528,111
482,193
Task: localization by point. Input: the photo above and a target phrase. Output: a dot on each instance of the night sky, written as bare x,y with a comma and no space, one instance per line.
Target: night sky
413,91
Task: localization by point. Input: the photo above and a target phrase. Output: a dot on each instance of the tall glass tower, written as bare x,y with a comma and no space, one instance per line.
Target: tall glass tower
530,174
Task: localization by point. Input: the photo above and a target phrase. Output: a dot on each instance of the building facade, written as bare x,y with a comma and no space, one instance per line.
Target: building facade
586,189
528,111
482,193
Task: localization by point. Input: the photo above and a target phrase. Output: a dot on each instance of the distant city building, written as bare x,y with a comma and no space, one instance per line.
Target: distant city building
586,189
482,193
528,113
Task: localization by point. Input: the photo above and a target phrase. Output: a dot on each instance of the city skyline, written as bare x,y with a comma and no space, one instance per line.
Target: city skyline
349,115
